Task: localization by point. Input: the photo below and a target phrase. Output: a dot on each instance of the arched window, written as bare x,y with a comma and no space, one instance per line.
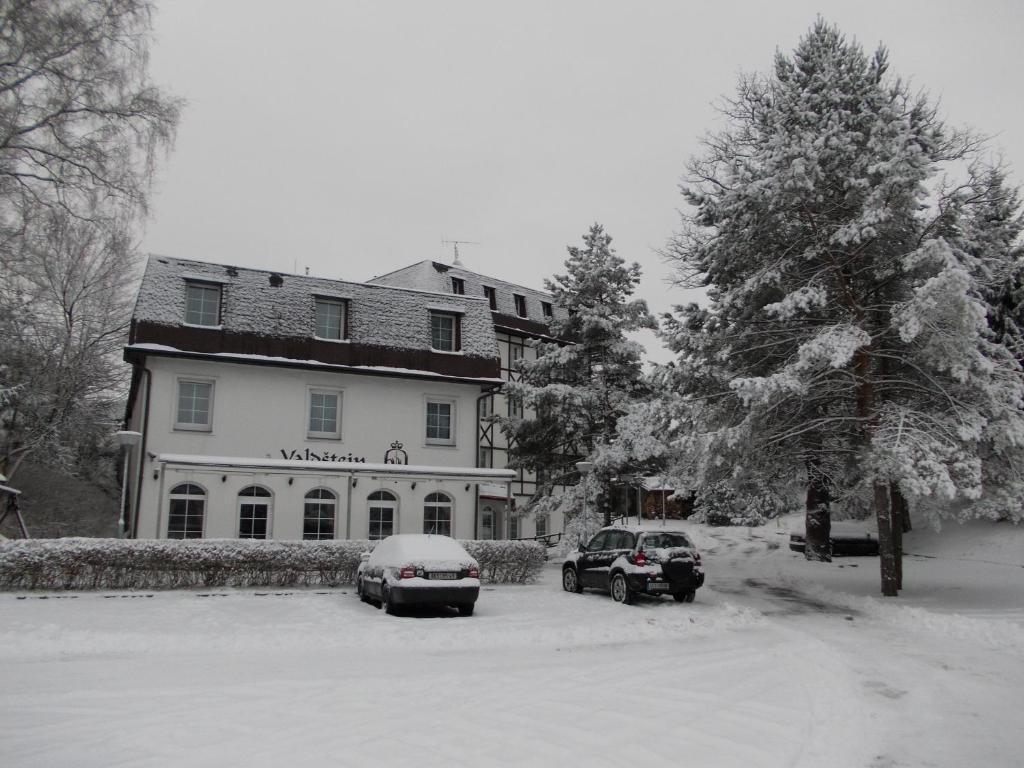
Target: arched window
318,517
437,514
382,506
487,522
254,505
188,504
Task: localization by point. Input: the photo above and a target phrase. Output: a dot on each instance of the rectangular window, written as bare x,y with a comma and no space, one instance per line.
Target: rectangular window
330,319
486,458
515,407
542,525
324,414
444,332
202,304
458,285
185,520
382,522
441,422
492,297
545,307
195,405
520,304
513,526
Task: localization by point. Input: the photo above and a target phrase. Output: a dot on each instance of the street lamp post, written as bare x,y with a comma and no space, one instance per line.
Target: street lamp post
584,467
127,440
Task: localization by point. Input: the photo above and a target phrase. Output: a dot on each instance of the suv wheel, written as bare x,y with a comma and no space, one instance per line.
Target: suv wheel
685,597
621,593
571,581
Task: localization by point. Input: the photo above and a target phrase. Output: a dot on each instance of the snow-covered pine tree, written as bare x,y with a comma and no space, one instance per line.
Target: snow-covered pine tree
844,338
574,393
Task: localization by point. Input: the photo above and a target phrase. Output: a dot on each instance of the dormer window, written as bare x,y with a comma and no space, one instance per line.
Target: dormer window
520,304
492,297
444,332
458,285
202,304
330,319
545,307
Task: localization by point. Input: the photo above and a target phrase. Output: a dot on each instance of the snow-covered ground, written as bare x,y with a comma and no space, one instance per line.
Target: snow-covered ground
780,662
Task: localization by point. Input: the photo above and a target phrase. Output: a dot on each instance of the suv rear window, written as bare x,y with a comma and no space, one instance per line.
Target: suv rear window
620,540
665,540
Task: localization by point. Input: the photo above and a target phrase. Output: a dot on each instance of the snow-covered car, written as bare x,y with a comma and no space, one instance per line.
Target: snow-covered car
635,561
850,538
419,569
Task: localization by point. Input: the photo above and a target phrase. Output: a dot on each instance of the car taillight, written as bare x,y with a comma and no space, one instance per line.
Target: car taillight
640,558
474,572
407,572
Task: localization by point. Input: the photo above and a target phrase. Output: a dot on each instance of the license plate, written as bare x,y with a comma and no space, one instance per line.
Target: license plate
657,586
450,576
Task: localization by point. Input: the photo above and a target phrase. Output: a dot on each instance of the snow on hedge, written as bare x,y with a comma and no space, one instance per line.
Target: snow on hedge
80,563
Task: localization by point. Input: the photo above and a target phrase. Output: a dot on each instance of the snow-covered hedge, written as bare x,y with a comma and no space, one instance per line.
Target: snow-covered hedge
507,561
162,564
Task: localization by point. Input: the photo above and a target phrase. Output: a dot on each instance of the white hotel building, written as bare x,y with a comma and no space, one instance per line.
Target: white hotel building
292,407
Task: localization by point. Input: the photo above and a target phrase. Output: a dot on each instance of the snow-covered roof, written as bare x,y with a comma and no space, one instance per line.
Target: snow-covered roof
266,304
435,276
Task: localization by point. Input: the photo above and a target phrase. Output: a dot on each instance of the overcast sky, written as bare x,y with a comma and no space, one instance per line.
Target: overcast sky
351,137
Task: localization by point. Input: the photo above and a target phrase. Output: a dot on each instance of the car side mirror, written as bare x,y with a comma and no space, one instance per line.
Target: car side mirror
364,557
581,548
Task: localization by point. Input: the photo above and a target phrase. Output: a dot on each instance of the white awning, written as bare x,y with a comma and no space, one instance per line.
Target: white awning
347,468
491,491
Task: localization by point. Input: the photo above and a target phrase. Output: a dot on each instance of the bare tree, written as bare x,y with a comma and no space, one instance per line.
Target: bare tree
80,123
64,311
80,128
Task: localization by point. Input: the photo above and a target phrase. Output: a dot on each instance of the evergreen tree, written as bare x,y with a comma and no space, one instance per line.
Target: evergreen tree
847,339
575,392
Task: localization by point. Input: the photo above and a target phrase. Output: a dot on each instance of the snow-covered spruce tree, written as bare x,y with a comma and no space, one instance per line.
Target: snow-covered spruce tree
574,393
845,338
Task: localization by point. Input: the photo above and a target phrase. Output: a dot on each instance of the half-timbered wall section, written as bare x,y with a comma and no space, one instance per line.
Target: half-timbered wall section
521,316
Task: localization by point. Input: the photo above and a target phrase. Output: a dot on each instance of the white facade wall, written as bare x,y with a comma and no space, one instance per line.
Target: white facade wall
261,412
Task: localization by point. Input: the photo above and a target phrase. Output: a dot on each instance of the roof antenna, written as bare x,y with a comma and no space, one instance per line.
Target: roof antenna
455,249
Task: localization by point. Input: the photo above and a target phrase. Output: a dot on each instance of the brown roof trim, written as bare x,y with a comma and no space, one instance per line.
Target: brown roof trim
523,325
308,352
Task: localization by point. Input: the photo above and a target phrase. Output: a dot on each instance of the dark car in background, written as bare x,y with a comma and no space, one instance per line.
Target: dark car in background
628,562
849,539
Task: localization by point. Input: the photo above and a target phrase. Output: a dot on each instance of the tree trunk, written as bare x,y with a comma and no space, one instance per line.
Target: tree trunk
886,545
818,521
900,522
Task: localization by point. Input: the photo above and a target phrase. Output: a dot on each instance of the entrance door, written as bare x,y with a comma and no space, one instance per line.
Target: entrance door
488,519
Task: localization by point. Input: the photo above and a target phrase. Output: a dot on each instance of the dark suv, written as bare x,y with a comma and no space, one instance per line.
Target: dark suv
635,561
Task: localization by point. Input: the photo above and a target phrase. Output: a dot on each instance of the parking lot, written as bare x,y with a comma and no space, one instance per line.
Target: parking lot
747,675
